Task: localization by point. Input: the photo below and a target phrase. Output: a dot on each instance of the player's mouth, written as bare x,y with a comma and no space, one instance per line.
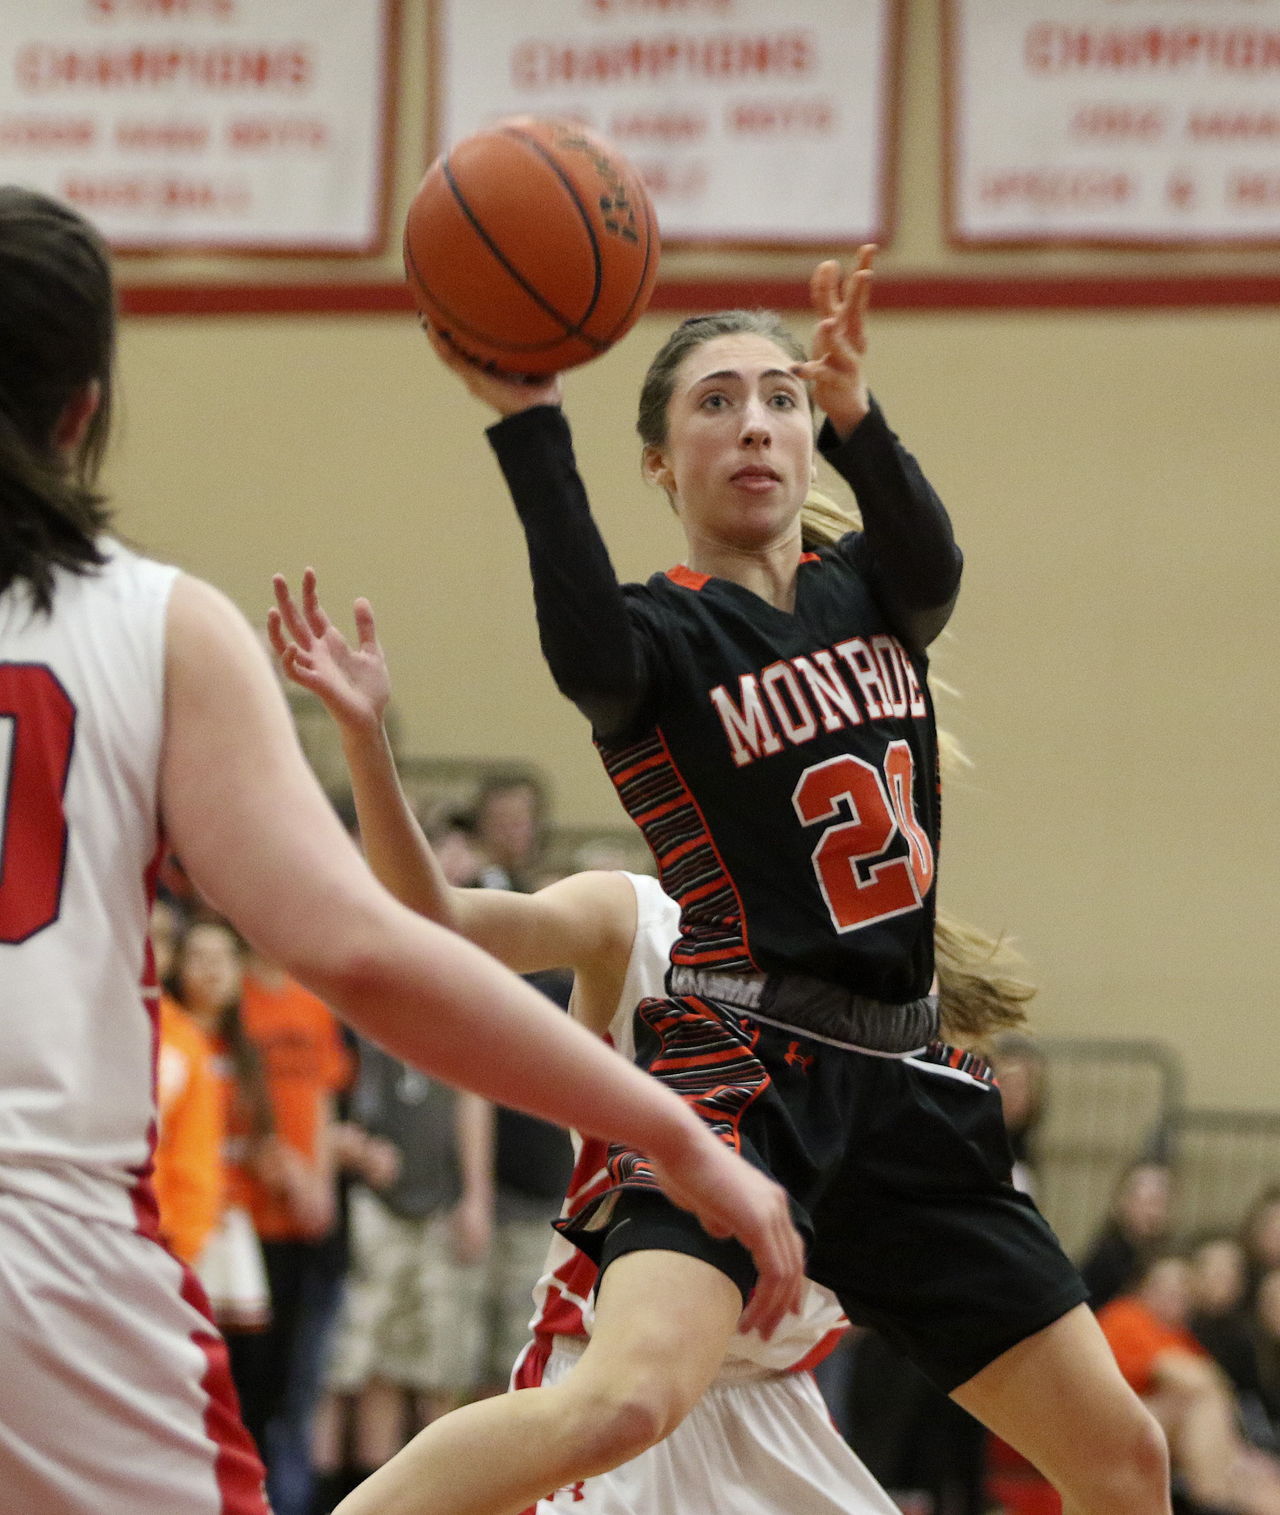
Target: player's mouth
755,477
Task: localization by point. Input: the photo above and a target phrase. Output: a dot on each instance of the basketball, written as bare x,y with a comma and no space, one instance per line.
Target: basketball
531,246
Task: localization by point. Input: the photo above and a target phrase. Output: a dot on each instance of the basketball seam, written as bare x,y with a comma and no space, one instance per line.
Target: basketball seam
457,323
572,328
571,190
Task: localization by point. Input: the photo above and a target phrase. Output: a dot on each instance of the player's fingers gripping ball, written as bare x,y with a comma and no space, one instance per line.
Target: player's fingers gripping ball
531,246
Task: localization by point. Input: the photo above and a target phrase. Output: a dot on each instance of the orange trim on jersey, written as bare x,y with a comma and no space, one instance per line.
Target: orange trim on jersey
629,773
706,831
687,578
701,892
688,959
810,557
660,810
677,853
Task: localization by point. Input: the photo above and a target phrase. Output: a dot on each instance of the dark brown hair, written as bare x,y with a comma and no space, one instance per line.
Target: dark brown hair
57,336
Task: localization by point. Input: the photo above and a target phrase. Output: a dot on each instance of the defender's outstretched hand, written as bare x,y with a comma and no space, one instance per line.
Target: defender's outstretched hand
731,1198
505,395
353,682
835,368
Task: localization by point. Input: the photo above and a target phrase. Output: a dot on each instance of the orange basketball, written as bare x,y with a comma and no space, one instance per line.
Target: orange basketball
532,246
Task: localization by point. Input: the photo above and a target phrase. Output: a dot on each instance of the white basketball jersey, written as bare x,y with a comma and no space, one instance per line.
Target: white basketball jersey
81,723
563,1295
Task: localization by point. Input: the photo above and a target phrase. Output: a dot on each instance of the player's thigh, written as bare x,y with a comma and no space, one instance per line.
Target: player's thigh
1059,1399
115,1393
663,1321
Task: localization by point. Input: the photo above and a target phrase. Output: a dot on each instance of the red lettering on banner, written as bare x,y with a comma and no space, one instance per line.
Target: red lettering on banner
1050,48
1234,125
1253,191
1120,123
162,136
261,133
159,194
164,10
780,117
43,66
658,7
27,133
540,63
1079,187
658,126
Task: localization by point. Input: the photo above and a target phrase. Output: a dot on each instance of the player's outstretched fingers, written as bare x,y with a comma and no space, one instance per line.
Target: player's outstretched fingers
289,612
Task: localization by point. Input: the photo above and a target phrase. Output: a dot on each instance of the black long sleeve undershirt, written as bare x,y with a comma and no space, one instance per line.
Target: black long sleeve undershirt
598,656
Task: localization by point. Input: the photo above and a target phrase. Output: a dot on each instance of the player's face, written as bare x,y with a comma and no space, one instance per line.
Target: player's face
738,459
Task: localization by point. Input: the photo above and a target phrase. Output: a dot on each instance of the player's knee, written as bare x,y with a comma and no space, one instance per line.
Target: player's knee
1135,1475
628,1419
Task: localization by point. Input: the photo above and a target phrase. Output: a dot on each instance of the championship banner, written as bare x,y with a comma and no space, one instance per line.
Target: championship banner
1114,122
211,125
751,122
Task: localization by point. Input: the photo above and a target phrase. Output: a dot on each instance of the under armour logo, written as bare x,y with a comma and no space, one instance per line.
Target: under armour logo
798,1059
574,1490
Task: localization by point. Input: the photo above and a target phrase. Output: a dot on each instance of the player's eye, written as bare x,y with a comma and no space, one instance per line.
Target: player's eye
782,399
713,401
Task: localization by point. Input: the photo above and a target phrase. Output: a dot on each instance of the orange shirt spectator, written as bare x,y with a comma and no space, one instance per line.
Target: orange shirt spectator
290,1190
188,1177
1138,1337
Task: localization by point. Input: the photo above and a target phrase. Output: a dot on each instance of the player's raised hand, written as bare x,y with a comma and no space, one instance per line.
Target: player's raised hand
352,681
835,367
505,395
731,1198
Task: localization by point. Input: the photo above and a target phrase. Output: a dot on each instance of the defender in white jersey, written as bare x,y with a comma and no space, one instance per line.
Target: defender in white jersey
136,708
759,1441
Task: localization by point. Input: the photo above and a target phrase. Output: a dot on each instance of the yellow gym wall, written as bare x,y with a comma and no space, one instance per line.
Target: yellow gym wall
1112,476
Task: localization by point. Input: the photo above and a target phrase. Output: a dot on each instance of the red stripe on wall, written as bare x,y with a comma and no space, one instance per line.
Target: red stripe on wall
893,292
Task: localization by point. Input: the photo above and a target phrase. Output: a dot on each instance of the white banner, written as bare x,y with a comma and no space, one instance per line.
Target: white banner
750,122
247,125
1125,122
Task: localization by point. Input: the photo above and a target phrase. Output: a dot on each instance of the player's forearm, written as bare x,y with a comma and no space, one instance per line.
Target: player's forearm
585,632
394,845
907,532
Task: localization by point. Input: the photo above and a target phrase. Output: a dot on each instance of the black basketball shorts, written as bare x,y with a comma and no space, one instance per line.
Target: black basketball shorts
898,1169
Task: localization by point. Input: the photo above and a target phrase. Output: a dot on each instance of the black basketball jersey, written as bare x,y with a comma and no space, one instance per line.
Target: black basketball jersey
787,785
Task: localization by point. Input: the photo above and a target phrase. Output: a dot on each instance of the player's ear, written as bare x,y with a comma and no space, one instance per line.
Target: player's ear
656,469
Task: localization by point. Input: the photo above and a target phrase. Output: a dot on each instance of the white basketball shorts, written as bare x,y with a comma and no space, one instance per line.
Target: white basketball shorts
756,1446
115,1396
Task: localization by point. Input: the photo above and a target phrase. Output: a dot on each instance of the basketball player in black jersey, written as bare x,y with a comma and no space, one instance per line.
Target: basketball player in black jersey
764,713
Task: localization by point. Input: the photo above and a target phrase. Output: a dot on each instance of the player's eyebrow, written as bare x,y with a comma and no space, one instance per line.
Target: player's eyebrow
732,373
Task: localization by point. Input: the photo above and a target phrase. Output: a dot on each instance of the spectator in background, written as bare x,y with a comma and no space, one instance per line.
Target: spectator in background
1260,1235
1137,1223
292,1198
532,1167
411,1335
188,1175
208,975
1266,1333
1147,1327
1219,1316
1020,1072
510,816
